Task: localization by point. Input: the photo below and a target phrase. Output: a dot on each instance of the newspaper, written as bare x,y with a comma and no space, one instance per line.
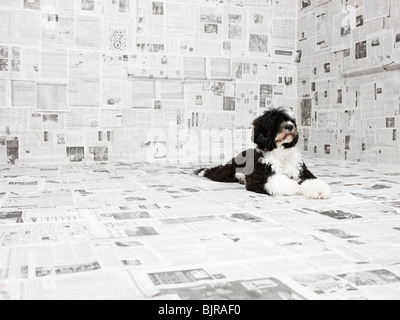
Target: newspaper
5,90
362,38
139,59
58,30
23,93
52,97
133,230
88,31
19,63
321,27
373,11
342,27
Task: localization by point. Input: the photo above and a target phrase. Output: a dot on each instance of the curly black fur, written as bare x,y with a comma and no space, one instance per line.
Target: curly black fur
255,182
306,174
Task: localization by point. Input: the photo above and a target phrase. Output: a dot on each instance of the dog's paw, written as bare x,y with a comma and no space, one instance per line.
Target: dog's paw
316,189
241,178
292,189
280,185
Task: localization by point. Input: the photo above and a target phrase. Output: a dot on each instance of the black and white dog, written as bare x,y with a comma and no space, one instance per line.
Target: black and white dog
276,166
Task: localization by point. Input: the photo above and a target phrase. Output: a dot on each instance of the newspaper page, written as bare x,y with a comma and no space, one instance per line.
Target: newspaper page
23,93
281,8
374,52
143,93
27,33
209,30
52,97
46,121
54,65
5,93
220,68
11,117
381,49
195,67
19,62
89,8
178,31
82,118
88,31
374,10
58,30
342,27
254,70
115,94
11,3
83,93
247,105
84,64
150,35
284,32
321,27
121,9
235,41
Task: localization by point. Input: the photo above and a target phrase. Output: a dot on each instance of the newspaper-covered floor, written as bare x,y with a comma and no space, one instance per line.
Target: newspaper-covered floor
150,231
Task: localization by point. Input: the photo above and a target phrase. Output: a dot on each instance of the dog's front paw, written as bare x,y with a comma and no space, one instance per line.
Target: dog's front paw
316,189
293,189
280,185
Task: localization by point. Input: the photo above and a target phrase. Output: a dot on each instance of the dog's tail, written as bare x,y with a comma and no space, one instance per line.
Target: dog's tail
200,172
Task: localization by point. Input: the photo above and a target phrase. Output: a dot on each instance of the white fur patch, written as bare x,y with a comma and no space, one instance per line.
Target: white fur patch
281,185
241,177
288,162
316,189
202,173
290,122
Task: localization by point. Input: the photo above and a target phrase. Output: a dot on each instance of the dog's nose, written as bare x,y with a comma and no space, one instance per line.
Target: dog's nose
289,127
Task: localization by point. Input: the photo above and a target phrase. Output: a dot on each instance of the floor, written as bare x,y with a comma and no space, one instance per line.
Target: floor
134,231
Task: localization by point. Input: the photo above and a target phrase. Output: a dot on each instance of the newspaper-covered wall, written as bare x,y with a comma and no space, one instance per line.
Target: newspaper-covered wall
140,80
143,80
349,85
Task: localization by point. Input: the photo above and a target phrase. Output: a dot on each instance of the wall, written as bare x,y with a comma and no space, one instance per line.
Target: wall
350,69
124,80
142,80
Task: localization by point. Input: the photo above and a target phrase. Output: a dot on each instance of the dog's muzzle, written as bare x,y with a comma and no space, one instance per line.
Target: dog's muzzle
287,133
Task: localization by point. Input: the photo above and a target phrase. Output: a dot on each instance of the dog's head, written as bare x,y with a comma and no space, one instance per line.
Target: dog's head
276,127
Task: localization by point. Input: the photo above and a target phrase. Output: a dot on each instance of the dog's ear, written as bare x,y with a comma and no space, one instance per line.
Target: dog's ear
266,144
260,138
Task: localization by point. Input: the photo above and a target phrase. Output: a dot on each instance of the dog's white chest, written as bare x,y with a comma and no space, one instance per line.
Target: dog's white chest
284,161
